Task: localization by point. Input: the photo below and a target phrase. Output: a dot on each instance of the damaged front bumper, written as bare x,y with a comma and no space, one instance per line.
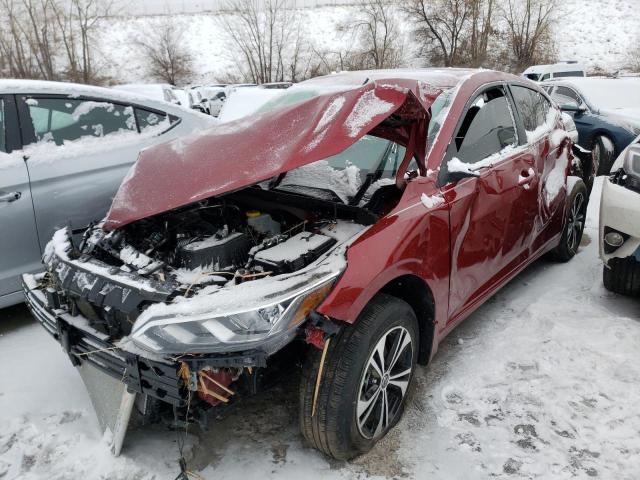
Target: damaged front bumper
619,214
157,377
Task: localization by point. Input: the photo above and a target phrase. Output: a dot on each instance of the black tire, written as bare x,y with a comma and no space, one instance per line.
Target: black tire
603,154
347,373
622,276
573,225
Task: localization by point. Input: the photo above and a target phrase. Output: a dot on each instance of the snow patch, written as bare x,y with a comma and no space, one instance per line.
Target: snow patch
344,183
369,105
431,201
541,130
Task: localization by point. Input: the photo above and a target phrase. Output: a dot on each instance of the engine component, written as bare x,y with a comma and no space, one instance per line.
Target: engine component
293,254
262,222
213,384
231,249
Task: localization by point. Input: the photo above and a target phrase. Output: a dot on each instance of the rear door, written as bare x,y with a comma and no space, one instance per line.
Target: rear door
492,216
539,118
78,151
19,250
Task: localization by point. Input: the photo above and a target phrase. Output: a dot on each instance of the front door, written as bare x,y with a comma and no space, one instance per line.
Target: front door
19,250
492,215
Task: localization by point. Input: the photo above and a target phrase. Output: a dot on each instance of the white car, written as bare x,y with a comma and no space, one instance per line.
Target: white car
245,101
64,150
183,97
156,91
540,73
620,223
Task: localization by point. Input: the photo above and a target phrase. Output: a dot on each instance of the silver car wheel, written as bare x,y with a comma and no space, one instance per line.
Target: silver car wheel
575,222
384,382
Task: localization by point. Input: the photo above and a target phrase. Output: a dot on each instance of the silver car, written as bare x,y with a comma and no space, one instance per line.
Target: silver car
64,150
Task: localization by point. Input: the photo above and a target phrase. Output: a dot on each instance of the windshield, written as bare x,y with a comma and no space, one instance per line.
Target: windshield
611,93
343,176
532,76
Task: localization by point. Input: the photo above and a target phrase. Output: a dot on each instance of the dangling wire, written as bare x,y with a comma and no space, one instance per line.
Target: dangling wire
185,473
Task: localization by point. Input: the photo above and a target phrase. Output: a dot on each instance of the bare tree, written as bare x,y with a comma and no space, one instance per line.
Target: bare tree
266,40
50,39
440,25
379,35
27,39
168,58
530,31
77,21
634,57
481,30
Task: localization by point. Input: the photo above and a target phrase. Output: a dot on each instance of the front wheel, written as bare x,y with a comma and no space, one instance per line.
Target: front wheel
364,381
574,221
622,275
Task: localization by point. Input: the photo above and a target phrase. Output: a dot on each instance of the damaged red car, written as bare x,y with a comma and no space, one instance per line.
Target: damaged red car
351,223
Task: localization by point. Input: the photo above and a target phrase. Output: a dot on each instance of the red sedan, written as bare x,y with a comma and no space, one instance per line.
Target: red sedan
351,223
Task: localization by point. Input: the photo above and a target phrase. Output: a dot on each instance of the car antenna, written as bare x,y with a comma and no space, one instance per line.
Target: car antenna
365,81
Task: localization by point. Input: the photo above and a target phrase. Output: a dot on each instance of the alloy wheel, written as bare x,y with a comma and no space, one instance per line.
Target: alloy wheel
575,222
384,382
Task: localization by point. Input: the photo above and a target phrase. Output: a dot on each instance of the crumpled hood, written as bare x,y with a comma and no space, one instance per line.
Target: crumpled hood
237,154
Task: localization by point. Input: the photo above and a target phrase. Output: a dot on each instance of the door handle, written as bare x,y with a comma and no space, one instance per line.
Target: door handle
10,197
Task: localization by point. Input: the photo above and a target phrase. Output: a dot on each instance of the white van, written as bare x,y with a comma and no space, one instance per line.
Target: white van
540,73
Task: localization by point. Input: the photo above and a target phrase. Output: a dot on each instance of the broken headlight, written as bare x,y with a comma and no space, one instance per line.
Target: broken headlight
232,331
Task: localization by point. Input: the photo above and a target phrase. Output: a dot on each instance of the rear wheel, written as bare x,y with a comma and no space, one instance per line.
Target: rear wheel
573,223
622,275
367,372
602,153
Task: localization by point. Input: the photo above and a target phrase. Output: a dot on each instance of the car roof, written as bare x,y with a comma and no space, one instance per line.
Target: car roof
438,77
590,80
44,87
555,67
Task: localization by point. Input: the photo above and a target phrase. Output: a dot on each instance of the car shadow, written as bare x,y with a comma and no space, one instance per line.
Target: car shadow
15,317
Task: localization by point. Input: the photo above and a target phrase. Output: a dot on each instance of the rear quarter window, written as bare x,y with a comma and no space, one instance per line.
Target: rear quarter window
149,121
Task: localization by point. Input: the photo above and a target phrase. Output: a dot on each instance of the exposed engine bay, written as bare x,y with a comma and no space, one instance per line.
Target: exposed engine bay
222,242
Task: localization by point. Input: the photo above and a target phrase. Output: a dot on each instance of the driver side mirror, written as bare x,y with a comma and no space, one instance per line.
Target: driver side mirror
572,107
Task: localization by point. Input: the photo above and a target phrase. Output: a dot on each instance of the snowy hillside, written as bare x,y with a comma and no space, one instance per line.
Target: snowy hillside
598,33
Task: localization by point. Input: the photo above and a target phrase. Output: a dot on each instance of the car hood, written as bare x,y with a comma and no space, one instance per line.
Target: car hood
237,154
628,117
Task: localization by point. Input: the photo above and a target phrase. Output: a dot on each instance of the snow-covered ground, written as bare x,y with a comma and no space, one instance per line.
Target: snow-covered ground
541,382
598,33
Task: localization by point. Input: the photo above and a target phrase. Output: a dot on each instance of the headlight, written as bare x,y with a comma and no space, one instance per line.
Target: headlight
273,323
631,167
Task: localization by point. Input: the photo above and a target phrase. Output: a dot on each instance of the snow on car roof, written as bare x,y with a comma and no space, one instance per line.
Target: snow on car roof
438,77
12,86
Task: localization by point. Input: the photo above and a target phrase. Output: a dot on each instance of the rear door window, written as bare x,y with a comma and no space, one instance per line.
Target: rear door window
534,110
487,128
63,120
3,134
